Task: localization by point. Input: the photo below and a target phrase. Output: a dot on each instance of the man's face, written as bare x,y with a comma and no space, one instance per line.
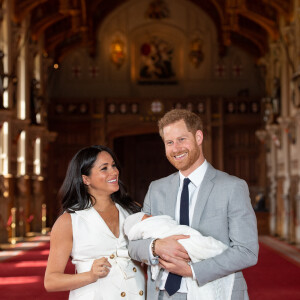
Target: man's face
183,148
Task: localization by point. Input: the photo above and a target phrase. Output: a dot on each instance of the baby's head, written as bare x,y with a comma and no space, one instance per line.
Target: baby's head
145,217
134,219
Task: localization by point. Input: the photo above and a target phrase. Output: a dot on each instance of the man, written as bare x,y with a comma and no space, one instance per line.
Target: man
210,201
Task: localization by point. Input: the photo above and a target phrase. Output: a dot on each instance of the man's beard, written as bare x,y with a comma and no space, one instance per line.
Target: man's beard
188,161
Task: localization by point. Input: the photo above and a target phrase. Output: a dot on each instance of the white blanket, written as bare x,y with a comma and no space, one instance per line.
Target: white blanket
198,247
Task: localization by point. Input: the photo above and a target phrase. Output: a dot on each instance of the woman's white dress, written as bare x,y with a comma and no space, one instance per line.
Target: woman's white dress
92,239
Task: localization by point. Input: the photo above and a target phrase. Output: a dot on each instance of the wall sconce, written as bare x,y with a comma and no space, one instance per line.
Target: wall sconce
117,53
296,84
196,54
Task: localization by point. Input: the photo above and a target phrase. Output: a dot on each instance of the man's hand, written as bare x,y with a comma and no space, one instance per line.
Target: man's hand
176,266
170,247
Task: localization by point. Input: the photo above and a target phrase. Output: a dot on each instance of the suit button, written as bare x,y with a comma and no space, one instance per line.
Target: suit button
141,293
157,288
111,257
123,294
134,269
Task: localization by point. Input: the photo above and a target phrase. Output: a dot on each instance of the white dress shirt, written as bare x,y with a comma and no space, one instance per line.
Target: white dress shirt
196,178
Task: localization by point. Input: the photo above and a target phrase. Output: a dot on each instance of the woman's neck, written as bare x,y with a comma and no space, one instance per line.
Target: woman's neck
103,203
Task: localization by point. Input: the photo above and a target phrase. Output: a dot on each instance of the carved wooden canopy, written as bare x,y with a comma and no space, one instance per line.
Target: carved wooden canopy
66,24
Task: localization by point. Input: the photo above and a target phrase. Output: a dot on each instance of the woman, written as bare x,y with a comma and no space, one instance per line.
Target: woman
90,230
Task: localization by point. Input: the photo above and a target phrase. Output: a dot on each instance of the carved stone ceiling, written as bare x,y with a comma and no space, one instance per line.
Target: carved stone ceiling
67,24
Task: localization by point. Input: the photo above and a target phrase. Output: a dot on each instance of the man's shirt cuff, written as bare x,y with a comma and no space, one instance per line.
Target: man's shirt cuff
194,276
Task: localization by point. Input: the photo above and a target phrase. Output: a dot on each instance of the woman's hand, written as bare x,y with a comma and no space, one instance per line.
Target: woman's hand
100,268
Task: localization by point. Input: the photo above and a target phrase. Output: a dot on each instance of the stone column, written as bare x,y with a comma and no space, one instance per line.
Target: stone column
23,202
271,174
4,208
23,104
284,125
7,48
38,200
297,229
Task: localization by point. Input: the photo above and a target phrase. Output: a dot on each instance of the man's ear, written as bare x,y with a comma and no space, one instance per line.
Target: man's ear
199,137
85,179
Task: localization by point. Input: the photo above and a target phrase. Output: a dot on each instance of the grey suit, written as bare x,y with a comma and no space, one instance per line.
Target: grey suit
223,210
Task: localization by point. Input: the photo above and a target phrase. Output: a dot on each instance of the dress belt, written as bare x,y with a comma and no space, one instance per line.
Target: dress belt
119,259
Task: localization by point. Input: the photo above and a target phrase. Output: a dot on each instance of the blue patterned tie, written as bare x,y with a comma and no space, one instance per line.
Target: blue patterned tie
173,281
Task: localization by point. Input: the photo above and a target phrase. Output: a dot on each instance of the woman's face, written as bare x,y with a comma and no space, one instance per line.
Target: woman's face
104,176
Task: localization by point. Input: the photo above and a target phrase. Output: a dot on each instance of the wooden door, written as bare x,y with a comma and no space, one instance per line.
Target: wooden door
143,160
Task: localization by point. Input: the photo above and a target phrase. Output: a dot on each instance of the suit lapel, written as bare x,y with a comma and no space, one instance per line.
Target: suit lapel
171,197
203,194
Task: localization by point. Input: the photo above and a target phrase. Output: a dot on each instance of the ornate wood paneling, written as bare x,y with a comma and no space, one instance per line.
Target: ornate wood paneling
143,160
72,121
129,126
84,17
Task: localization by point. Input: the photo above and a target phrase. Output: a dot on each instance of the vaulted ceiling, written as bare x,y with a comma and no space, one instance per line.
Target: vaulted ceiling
66,24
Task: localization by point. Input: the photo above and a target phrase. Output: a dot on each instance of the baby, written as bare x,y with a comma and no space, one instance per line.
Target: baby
142,226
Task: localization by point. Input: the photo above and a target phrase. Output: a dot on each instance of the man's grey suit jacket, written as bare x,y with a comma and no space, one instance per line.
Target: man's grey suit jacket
223,210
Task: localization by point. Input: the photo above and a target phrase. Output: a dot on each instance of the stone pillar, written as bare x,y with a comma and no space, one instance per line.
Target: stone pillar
297,229
23,103
7,48
284,125
4,208
23,202
38,200
271,174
